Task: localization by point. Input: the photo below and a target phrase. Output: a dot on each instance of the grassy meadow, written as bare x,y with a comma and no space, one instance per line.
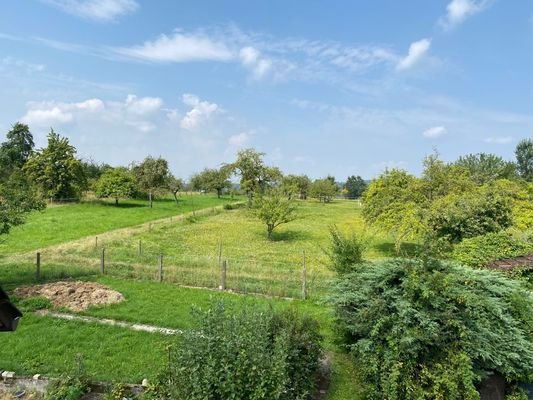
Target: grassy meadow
62,223
190,246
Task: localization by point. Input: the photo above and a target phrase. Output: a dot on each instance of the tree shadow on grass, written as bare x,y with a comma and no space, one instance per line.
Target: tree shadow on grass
388,249
125,205
290,235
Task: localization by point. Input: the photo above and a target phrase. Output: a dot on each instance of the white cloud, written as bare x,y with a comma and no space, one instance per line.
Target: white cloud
459,10
416,51
50,113
179,47
11,62
200,112
251,58
97,10
239,140
499,139
435,132
143,105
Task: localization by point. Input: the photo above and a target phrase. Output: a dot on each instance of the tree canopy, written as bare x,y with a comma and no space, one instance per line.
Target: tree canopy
55,169
355,186
212,180
152,174
116,183
274,209
524,159
16,150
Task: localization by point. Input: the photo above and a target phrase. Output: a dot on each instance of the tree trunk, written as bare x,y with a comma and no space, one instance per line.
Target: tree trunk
175,196
270,229
116,201
219,193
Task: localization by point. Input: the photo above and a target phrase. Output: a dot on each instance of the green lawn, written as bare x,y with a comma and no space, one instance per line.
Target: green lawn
63,223
50,346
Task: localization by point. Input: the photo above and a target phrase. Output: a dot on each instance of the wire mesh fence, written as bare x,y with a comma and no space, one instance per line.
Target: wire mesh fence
303,279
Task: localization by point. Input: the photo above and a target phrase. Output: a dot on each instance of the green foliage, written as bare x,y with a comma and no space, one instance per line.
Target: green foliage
212,180
296,185
116,183
67,388
524,159
273,209
152,174
250,354
17,199
56,170
33,304
432,330
485,168
481,250
345,252
323,189
355,186
16,150
256,177
459,216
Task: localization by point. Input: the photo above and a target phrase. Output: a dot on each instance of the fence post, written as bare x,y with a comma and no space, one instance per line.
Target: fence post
96,242
160,268
304,278
102,261
140,247
223,269
220,253
38,266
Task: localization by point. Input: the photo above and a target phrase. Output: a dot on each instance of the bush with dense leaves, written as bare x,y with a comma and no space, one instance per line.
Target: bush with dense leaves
249,353
433,330
345,251
481,250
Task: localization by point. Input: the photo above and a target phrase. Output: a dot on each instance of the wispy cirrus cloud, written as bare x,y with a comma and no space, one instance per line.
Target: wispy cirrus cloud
179,47
96,10
457,11
499,139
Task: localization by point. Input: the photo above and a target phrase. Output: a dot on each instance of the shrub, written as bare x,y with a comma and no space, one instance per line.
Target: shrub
481,250
68,388
433,330
345,252
250,353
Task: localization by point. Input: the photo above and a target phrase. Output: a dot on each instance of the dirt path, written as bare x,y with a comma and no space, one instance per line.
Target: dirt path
111,322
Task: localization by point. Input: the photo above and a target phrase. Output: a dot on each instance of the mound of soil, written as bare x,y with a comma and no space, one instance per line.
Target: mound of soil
76,296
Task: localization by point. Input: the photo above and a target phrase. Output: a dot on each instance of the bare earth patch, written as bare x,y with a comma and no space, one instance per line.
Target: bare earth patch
76,296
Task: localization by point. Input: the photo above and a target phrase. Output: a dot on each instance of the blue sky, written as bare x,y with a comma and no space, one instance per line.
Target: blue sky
337,87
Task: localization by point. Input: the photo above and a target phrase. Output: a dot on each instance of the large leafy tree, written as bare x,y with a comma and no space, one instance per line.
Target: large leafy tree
17,199
56,170
255,176
433,330
355,186
212,180
323,189
152,174
116,183
524,159
485,167
16,150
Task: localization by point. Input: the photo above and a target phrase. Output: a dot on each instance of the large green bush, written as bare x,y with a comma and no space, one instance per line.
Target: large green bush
249,353
432,330
345,252
481,250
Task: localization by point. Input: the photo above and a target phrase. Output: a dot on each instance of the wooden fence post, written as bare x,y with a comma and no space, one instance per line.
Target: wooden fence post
96,242
223,270
38,266
102,261
140,247
160,268
304,278
220,253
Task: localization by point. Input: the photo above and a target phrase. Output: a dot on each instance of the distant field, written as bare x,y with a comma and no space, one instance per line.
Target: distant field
63,223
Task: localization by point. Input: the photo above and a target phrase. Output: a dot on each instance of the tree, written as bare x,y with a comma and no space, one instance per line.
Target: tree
152,174
16,150
256,177
116,183
274,209
524,159
323,189
17,199
92,172
485,167
174,185
211,179
55,169
433,330
355,185
292,185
